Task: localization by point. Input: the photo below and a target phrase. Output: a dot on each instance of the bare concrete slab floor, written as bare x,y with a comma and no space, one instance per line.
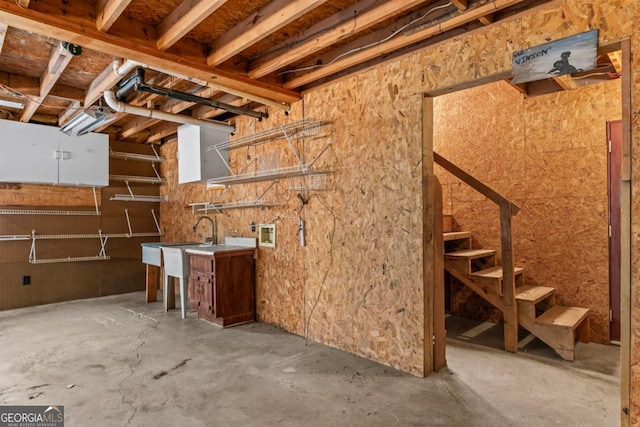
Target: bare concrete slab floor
116,361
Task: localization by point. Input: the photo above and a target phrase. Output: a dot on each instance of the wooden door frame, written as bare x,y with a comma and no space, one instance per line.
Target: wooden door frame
625,216
625,238
614,157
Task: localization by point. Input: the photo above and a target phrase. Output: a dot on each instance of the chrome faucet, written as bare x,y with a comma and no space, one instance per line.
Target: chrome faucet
212,239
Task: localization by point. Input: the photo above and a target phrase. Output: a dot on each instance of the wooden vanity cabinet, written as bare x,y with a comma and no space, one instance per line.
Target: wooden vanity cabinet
222,286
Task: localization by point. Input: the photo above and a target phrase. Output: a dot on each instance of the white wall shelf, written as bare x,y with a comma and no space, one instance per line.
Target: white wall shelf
280,173
103,237
153,158
205,207
131,197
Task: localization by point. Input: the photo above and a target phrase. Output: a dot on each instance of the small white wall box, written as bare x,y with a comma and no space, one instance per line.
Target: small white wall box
267,235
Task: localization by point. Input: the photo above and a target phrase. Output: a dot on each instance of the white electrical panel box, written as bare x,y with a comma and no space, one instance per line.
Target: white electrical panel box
267,235
196,163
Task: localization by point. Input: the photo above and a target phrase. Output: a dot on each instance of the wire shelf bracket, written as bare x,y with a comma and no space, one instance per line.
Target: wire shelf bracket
206,207
131,197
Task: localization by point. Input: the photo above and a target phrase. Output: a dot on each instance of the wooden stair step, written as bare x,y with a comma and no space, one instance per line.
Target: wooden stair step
471,253
563,316
456,235
533,294
494,272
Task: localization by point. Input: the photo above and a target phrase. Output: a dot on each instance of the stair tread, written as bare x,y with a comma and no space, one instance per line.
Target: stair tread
563,316
471,253
494,272
455,235
533,293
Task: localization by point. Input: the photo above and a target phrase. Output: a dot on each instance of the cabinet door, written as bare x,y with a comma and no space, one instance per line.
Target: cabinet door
196,163
27,153
84,159
189,155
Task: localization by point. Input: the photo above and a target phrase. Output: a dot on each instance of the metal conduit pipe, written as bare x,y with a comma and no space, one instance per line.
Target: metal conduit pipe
121,107
124,69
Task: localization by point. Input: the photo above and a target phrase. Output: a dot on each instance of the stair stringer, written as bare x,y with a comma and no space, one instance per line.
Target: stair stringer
485,292
560,338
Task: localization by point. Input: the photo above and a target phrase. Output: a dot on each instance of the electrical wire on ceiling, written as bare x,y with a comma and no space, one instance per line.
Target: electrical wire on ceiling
319,33
376,43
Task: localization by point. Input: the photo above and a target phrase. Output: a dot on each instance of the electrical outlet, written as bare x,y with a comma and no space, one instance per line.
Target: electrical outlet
26,280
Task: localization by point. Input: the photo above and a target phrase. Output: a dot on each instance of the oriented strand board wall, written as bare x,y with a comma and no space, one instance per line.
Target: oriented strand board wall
371,300
548,154
357,284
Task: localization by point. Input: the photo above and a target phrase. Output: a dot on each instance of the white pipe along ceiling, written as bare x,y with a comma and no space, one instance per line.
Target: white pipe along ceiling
121,107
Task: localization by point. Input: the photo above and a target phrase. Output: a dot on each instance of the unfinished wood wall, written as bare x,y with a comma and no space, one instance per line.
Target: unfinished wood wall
371,300
548,154
74,280
357,283
635,215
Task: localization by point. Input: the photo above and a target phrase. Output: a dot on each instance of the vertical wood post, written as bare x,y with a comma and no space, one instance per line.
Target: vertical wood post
510,313
428,243
151,282
439,331
625,237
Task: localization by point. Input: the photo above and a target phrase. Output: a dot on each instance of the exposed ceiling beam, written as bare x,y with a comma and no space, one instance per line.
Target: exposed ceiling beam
460,4
183,19
58,61
73,32
206,112
565,82
259,25
3,34
108,11
72,110
65,92
399,42
21,84
487,20
162,131
616,59
176,106
344,24
135,126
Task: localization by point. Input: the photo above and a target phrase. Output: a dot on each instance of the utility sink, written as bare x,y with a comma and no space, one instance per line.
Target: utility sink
151,253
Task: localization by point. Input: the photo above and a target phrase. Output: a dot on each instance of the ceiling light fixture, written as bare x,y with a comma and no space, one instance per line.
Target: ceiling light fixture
87,121
11,102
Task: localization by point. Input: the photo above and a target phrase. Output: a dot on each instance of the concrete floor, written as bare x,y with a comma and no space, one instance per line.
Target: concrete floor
116,361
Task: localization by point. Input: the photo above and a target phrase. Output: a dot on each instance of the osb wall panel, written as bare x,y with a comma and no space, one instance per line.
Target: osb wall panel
345,287
548,154
371,300
635,224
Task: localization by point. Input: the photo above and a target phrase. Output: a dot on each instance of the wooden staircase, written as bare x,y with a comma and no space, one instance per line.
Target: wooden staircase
557,326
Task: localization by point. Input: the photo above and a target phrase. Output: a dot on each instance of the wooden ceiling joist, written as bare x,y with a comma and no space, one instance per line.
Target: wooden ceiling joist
487,20
108,11
206,112
183,19
259,25
21,84
364,14
58,61
88,37
460,4
399,42
3,34
72,110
